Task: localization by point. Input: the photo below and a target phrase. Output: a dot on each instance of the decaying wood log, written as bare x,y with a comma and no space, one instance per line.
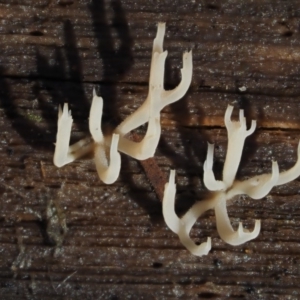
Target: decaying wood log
66,235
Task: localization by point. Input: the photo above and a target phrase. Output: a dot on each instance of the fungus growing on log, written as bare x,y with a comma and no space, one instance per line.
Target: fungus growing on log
108,168
224,190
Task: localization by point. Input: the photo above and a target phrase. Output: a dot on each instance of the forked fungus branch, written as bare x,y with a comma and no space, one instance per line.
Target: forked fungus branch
108,168
256,188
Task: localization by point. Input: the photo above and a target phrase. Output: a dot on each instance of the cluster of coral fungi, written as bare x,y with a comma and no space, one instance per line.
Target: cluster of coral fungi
107,158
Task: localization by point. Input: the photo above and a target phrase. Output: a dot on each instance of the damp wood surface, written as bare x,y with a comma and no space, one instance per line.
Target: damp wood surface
66,235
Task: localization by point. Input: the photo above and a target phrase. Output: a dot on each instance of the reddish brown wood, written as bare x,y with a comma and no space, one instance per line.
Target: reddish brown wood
66,235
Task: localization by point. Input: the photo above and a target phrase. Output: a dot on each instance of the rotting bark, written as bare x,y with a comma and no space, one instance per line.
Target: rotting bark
117,245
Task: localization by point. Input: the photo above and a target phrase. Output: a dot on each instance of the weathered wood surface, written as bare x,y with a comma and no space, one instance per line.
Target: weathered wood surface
64,234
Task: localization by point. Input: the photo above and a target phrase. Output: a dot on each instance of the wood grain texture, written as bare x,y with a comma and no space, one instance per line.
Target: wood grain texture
66,235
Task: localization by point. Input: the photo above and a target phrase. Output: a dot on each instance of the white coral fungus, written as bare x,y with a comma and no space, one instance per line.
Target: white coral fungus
256,188
108,168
